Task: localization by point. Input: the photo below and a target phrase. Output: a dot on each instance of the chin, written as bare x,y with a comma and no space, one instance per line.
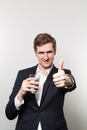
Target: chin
47,66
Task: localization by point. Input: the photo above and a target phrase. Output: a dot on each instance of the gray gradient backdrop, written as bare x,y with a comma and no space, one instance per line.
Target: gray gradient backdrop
66,20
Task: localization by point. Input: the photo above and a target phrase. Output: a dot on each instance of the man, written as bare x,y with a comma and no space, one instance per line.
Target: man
39,104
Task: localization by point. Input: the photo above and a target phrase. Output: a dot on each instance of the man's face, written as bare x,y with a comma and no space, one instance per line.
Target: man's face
45,55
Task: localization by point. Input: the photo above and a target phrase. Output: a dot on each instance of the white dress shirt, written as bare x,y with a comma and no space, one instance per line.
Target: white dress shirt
38,94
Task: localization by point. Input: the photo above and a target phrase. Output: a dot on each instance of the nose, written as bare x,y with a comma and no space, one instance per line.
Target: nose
45,56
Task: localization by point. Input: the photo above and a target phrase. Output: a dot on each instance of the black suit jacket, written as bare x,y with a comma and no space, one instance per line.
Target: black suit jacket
49,113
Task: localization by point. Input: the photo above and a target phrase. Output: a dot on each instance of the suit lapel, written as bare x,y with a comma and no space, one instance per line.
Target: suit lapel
47,83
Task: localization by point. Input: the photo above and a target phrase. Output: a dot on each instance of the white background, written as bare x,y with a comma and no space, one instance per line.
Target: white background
66,20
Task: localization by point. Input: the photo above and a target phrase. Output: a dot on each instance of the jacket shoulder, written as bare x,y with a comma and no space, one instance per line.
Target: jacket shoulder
27,69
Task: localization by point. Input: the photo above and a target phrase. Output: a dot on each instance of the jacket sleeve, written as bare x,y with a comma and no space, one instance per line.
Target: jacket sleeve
10,110
65,90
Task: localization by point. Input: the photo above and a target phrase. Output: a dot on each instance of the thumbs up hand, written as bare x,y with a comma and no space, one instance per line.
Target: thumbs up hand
59,78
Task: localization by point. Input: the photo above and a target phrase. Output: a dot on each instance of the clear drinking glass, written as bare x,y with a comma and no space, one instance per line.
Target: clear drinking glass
37,79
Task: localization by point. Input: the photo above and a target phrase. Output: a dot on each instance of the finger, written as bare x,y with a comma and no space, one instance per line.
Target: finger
58,79
62,84
61,63
33,86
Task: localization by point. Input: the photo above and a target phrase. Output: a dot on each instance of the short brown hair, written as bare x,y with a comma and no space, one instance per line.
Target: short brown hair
42,39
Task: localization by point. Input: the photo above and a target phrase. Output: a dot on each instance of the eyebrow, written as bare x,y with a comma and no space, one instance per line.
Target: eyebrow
50,51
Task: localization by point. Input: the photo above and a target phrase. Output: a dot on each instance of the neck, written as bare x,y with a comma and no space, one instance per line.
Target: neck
43,70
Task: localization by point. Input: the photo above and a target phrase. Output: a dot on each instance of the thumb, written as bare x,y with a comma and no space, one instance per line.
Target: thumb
61,63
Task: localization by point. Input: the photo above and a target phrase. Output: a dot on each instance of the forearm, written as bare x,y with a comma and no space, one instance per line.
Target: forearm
13,107
11,111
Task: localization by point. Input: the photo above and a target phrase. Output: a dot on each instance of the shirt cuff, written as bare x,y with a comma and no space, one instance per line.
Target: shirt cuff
18,104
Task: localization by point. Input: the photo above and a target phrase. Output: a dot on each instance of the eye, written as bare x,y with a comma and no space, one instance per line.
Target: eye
40,52
49,52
